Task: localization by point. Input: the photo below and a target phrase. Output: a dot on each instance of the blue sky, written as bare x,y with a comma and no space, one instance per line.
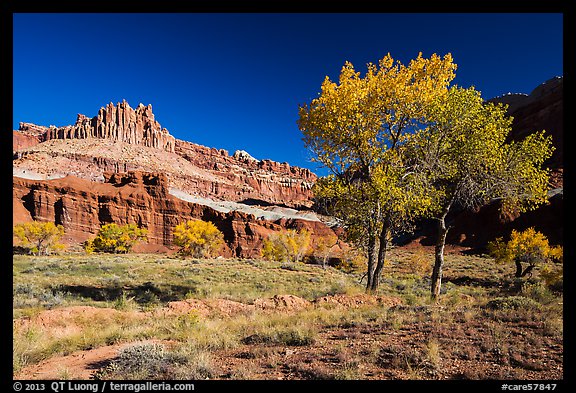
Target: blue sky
234,81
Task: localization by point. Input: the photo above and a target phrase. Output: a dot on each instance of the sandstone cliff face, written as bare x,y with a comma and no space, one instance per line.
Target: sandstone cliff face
121,139
82,207
21,141
262,182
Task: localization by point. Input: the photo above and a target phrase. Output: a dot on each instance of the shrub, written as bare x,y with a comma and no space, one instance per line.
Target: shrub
538,291
512,303
553,277
352,261
289,246
199,239
290,336
526,249
114,238
152,361
419,264
39,238
324,247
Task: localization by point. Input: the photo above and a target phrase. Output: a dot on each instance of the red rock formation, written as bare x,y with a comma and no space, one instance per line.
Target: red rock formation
120,122
262,182
22,140
116,140
82,207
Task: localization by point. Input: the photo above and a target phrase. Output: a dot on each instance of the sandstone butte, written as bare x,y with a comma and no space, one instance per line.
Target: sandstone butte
122,166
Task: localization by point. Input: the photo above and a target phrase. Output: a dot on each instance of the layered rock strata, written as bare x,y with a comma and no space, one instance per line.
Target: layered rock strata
247,180
122,139
82,207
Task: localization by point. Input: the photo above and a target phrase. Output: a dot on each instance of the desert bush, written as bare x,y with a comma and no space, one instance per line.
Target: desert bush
39,238
124,303
553,276
538,291
352,261
288,246
513,303
290,336
416,361
324,247
114,238
527,249
199,239
420,264
30,295
153,362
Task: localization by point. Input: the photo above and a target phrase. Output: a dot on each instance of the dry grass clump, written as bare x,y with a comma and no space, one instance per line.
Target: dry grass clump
152,361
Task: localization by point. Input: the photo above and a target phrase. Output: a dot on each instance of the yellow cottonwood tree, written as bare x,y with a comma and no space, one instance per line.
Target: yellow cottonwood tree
527,250
356,129
290,245
199,239
116,239
39,237
467,162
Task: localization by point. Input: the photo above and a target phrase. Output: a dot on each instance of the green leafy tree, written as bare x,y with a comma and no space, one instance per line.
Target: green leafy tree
527,250
41,238
468,163
199,239
116,239
356,128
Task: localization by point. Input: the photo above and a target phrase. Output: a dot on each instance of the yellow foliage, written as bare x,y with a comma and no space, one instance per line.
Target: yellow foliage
353,261
199,239
39,237
553,276
356,128
402,144
114,238
290,245
527,247
323,248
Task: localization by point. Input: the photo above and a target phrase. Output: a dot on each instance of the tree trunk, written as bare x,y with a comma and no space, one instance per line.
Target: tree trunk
371,260
439,256
383,247
523,272
518,269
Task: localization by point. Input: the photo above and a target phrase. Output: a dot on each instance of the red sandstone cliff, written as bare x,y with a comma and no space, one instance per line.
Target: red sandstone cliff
121,139
82,206
121,123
